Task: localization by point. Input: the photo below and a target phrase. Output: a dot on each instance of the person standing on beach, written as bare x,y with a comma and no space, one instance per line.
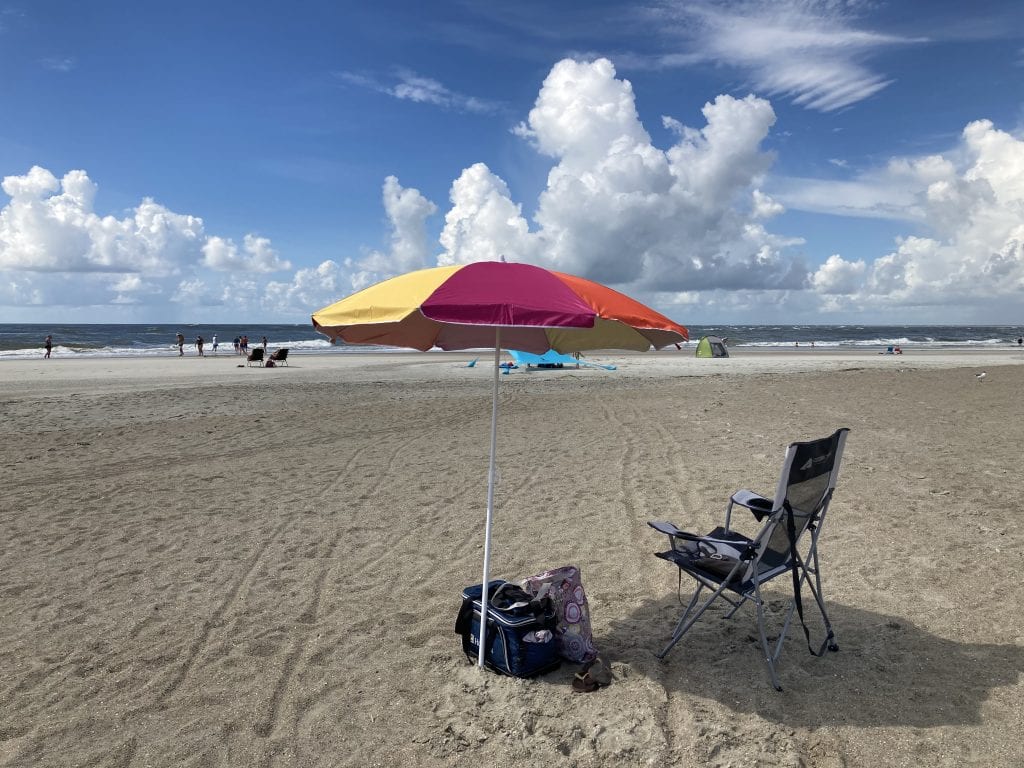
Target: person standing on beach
238,343
214,343
264,345
181,345
199,345
1020,341
49,345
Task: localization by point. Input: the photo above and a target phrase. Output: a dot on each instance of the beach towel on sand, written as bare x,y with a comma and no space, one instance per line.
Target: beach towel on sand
565,588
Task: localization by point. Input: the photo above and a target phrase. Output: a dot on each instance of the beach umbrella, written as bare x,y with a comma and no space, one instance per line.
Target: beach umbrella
501,305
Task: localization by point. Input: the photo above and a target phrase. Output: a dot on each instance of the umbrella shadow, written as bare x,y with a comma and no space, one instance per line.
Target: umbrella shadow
888,670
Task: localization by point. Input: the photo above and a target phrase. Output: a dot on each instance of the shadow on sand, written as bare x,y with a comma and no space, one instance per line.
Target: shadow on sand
888,671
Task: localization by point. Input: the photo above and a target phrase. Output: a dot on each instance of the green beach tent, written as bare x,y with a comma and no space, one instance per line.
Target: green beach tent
711,346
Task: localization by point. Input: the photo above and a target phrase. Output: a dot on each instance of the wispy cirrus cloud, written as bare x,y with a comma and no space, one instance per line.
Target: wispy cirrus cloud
809,51
59,63
9,15
407,85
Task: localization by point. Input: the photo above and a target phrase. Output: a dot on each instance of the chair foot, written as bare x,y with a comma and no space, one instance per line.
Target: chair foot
833,647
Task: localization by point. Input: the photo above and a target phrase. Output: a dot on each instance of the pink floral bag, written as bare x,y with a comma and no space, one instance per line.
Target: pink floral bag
565,588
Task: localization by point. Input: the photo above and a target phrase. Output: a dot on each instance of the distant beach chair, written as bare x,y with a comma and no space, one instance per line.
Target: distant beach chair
256,356
734,567
890,350
280,356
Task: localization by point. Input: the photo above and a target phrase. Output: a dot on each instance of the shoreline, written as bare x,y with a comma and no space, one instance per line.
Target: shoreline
436,365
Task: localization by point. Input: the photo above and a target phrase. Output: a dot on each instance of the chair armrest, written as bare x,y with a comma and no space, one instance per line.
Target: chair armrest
664,527
758,505
672,530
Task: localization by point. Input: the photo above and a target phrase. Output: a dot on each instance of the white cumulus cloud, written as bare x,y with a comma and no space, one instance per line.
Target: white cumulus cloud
309,290
483,223
407,211
50,226
56,250
837,275
968,254
256,255
618,209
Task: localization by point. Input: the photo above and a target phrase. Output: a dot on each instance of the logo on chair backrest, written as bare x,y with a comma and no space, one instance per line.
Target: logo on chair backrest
812,461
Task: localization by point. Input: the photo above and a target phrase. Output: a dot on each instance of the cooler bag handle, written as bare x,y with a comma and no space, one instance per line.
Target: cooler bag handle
522,603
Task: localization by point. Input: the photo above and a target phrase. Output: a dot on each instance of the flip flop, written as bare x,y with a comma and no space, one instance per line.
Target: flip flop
583,683
592,676
600,672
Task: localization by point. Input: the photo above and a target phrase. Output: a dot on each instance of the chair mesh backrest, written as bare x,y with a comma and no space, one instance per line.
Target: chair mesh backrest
810,474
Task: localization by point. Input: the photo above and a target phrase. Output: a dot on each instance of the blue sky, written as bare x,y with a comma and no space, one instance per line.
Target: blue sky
727,162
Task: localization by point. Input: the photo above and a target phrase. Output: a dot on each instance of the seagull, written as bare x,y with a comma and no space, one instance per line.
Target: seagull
980,376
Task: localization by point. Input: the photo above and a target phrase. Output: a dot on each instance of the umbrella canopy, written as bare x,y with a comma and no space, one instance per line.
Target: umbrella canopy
459,307
495,304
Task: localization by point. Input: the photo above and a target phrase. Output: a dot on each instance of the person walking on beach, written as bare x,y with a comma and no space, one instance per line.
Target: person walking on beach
238,345
214,343
181,345
264,345
49,345
245,344
199,345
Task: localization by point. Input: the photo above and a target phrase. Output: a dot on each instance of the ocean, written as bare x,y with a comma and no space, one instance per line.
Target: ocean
147,340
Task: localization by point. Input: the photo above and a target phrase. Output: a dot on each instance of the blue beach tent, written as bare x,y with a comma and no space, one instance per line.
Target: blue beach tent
551,359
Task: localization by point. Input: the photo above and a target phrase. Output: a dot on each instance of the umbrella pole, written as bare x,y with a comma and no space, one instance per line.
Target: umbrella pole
490,497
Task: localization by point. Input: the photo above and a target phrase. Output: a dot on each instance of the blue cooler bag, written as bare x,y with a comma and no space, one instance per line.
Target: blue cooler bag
520,630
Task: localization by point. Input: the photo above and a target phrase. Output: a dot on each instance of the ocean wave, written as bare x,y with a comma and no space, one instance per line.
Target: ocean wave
901,341
304,346
25,341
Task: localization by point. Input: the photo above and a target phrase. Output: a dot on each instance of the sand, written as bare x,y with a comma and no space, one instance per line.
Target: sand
207,565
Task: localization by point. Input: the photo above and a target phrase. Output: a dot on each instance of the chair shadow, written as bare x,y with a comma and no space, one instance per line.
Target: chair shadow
887,672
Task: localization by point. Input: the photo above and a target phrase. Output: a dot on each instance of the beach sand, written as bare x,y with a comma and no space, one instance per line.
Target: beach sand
208,565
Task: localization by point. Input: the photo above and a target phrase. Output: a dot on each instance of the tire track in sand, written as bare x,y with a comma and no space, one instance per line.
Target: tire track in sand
269,721
199,643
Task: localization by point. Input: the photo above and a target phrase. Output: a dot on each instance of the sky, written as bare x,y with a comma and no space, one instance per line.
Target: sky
725,162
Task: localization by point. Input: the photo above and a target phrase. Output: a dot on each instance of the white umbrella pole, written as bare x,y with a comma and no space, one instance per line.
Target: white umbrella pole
490,496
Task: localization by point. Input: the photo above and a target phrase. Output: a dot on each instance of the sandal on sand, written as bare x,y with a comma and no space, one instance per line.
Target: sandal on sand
592,676
600,671
583,683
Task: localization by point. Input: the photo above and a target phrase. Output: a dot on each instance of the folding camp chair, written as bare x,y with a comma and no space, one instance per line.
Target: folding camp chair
734,567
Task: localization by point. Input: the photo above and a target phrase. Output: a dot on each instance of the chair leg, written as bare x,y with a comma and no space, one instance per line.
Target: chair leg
687,621
682,625
735,606
769,661
830,637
